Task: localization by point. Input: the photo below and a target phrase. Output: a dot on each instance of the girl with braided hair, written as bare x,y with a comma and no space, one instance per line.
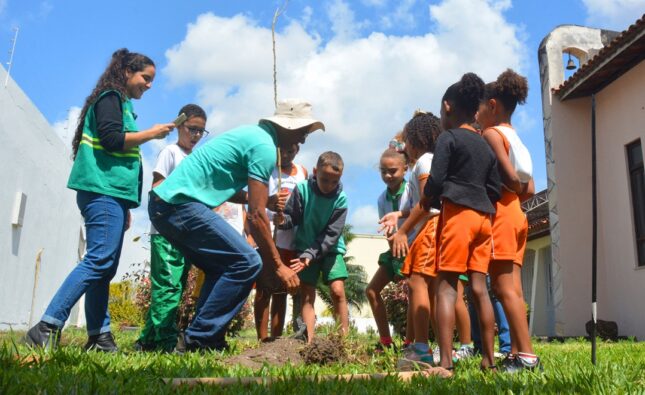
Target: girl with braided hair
464,182
419,136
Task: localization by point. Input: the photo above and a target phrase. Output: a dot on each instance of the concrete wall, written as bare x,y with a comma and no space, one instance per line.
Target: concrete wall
582,42
620,114
571,145
538,266
36,164
366,249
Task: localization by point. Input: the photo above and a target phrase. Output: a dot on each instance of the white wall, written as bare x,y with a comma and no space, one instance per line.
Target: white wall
543,303
620,115
620,120
571,145
37,164
366,249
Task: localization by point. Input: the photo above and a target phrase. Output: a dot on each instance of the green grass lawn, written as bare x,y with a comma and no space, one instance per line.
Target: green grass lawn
567,369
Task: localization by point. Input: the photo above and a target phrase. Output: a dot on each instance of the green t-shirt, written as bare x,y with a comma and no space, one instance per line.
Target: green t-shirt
221,167
320,216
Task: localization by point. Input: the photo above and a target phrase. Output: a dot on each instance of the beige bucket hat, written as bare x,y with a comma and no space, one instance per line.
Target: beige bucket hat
294,114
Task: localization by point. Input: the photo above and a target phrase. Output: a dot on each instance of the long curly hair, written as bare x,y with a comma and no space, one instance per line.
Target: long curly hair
422,131
510,88
113,78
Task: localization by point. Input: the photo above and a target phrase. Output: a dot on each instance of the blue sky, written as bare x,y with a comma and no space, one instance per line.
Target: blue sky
366,65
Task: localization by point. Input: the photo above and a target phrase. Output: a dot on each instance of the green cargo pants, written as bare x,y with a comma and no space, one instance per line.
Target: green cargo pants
168,273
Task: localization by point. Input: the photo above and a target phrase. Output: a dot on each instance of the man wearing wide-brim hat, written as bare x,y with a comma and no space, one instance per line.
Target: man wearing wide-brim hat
181,210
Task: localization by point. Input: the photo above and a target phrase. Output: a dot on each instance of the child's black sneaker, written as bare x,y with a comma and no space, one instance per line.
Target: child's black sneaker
140,346
103,342
517,364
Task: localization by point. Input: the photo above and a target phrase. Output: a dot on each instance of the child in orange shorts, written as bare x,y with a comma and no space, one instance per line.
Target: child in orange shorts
419,136
464,182
510,227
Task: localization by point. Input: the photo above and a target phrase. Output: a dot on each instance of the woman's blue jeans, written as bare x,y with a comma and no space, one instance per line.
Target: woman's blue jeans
229,263
105,218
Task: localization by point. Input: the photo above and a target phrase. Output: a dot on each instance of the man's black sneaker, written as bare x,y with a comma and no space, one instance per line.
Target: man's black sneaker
102,342
43,335
139,346
184,346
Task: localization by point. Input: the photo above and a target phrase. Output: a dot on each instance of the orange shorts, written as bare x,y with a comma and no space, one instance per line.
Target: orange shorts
510,230
422,255
463,239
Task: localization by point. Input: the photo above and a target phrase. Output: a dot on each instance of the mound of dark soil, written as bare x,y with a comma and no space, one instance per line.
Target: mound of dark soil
324,350
275,353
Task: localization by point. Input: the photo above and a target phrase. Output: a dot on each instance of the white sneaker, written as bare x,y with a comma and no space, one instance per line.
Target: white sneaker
436,356
465,351
413,359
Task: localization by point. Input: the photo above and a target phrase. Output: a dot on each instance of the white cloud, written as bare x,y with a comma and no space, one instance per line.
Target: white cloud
342,20
613,14
307,12
45,8
65,128
364,219
524,121
374,3
403,16
364,89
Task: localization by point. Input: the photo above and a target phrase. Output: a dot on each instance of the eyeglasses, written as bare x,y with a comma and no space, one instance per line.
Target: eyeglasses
196,131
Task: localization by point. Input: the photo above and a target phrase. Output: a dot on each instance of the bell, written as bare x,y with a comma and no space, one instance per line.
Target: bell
570,64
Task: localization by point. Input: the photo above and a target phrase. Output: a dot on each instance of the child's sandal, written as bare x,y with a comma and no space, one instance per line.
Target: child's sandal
489,368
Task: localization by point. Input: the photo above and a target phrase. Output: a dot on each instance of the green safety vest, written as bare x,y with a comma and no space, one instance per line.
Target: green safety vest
115,174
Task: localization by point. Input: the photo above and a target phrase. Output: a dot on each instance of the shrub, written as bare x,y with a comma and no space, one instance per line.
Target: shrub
122,305
395,297
131,310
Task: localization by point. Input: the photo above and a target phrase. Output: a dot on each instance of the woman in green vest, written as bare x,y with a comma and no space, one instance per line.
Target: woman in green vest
107,175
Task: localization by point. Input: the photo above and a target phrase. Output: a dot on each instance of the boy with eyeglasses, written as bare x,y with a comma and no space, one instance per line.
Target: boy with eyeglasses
168,268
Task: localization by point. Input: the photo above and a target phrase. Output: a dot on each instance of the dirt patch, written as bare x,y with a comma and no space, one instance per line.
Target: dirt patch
324,350
274,353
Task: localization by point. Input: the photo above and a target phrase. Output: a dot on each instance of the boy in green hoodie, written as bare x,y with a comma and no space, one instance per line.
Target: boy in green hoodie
318,208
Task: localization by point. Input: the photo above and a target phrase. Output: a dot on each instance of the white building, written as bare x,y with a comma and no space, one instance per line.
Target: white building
40,226
612,72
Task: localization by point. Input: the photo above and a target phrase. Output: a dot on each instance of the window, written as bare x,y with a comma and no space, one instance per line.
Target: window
637,181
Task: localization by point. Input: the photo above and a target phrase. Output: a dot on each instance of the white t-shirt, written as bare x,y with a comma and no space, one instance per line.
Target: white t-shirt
233,213
385,206
168,159
285,238
420,171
